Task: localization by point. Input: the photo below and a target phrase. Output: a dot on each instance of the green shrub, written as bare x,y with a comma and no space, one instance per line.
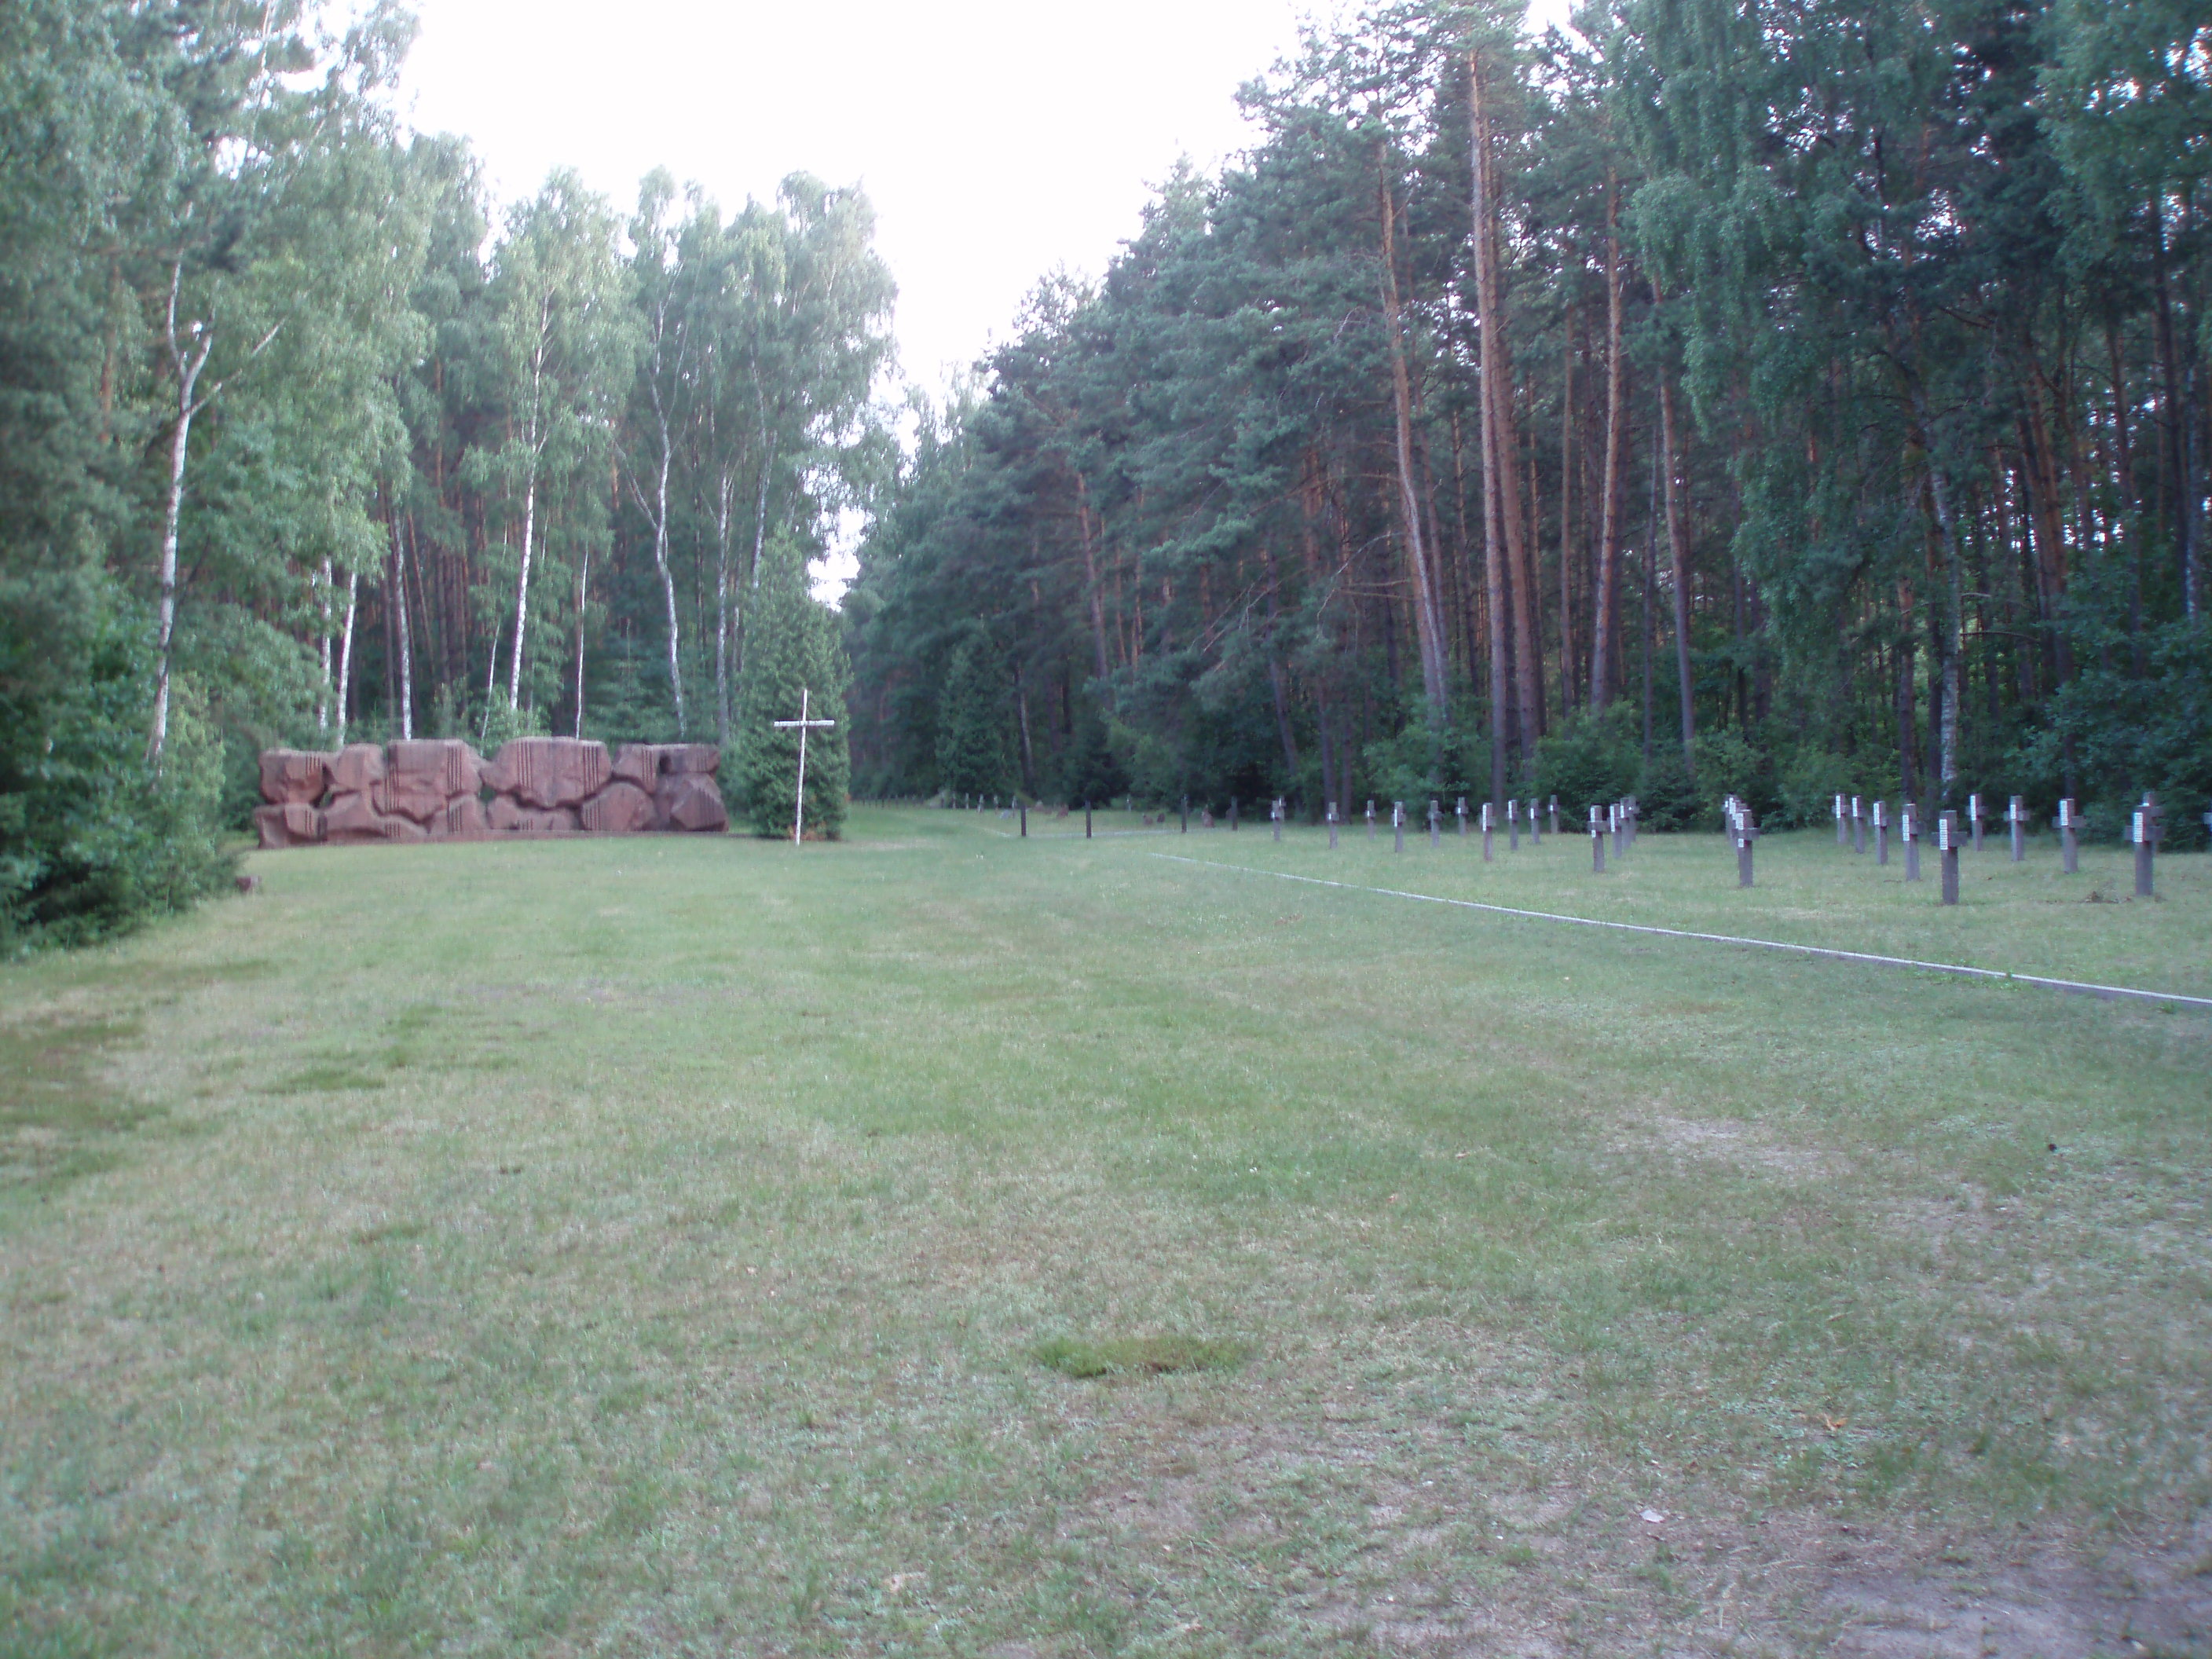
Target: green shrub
93,840
1667,797
1810,783
1590,760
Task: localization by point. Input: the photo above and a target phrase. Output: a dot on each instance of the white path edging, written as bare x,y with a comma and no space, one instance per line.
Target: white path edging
1715,938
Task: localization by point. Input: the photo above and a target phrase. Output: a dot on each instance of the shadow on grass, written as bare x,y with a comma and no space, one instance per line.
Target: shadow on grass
58,1118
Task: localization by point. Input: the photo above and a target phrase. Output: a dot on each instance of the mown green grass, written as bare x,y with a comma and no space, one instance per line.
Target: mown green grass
665,1245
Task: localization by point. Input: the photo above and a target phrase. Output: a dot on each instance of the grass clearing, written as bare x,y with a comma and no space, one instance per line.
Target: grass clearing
655,1245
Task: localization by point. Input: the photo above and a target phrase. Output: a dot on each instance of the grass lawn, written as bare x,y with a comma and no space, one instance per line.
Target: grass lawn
946,1244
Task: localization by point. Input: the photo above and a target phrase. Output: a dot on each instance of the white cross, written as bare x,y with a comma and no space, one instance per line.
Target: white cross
802,726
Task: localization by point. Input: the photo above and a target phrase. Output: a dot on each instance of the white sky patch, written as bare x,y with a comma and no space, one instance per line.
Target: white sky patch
998,139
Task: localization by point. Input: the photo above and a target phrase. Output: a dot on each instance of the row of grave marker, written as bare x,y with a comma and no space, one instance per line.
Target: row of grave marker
1617,822
2146,828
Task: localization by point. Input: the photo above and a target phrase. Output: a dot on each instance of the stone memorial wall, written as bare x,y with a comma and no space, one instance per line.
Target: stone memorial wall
444,790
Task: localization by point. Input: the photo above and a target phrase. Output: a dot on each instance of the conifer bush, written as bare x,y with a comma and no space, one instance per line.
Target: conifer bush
791,643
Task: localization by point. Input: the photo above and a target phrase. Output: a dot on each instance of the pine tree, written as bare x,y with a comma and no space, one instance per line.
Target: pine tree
791,643
971,727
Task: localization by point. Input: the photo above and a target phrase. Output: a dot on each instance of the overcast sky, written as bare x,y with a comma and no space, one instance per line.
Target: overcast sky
997,138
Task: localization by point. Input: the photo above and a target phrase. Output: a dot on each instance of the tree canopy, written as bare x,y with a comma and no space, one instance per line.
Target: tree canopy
295,447
1709,398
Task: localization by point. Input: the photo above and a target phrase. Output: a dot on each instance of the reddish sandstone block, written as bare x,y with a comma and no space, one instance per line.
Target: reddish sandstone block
422,779
357,769
549,772
509,816
638,763
290,777
293,823
620,809
353,818
689,759
465,820
690,800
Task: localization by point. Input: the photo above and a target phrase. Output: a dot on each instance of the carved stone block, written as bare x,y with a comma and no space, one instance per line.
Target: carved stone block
638,763
466,820
292,777
422,778
689,759
620,809
359,767
353,818
293,823
690,800
549,772
507,817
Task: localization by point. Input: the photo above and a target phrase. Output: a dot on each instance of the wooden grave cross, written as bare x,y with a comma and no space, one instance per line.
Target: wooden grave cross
1398,823
1332,824
2146,828
1597,829
1745,833
2016,815
1461,810
1882,832
2069,845
1909,827
1436,818
1512,826
1489,829
802,726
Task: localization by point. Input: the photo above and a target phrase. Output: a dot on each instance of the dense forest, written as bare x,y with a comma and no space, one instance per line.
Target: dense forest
1721,396
304,438
1717,396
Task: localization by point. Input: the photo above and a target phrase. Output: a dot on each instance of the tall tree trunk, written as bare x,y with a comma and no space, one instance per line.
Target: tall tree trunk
1428,624
1650,584
1502,448
583,595
1567,525
2180,488
1509,587
1022,709
668,579
522,587
1678,552
2048,518
173,509
1092,585
1907,763
1952,628
722,610
323,591
396,589
1605,645
344,691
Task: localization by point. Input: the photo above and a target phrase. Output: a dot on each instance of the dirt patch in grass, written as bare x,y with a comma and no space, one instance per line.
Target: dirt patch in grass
1138,1356
1744,1145
1936,1598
